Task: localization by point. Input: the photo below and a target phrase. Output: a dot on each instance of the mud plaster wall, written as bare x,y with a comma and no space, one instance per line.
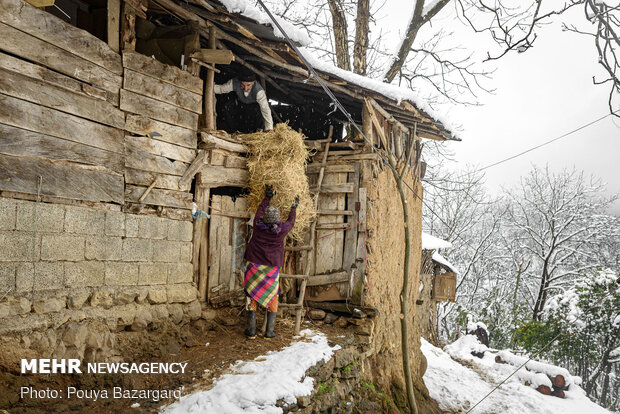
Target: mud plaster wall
385,272
73,276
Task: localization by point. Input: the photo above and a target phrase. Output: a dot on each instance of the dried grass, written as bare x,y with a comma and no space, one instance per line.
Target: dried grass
278,158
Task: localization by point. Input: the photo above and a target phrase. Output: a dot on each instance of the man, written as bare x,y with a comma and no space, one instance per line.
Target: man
248,93
265,255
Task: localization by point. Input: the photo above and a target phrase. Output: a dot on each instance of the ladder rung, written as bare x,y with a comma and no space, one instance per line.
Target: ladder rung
301,277
290,306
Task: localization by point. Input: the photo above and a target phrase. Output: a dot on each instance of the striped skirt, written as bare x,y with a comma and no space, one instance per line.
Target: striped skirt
261,282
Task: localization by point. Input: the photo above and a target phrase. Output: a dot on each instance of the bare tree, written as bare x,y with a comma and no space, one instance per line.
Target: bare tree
513,25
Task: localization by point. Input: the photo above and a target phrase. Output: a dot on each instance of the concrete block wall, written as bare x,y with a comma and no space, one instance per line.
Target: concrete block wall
52,246
62,264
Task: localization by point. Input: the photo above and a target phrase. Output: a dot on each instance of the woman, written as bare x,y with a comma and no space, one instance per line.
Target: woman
265,255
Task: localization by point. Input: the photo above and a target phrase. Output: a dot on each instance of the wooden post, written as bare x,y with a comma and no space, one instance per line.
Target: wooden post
128,27
192,44
114,28
367,124
209,97
202,197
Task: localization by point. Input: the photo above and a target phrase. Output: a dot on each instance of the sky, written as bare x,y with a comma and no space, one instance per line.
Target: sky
539,95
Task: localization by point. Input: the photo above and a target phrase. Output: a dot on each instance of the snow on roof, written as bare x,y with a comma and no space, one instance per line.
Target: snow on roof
474,382
442,260
395,92
256,386
249,10
433,243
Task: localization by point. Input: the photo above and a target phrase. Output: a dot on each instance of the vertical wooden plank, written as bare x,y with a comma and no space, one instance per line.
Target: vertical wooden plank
209,96
361,240
350,241
128,28
114,29
367,124
225,241
192,44
203,204
329,243
214,244
357,293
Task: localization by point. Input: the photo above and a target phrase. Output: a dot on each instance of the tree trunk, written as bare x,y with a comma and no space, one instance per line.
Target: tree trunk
339,21
542,293
361,37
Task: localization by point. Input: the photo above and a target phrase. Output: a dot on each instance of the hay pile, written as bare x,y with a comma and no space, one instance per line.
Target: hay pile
278,158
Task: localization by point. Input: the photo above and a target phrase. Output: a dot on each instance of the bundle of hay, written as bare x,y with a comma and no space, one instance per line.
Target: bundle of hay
278,158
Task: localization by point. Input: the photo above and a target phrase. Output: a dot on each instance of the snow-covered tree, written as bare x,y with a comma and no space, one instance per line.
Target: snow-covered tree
580,330
554,223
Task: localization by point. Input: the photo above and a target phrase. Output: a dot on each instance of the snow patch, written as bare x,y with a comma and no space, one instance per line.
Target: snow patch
433,243
247,9
458,388
256,386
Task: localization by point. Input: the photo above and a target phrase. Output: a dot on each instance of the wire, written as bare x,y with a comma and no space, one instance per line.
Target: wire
348,116
342,109
547,142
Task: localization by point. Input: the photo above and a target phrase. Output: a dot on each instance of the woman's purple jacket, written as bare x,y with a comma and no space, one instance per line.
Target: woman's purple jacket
266,247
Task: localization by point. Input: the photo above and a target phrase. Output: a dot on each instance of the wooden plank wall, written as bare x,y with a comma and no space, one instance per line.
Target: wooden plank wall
227,234
59,115
336,245
163,103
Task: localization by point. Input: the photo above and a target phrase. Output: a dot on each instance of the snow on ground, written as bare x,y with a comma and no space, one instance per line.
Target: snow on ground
256,386
457,388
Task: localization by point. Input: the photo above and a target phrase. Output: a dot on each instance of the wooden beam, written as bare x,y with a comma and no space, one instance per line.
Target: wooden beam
166,73
218,56
223,144
209,93
55,97
387,115
162,91
41,3
72,181
48,55
334,188
172,134
376,123
218,176
54,31
37,118
114,24
162,111
327,279
196,165
192,45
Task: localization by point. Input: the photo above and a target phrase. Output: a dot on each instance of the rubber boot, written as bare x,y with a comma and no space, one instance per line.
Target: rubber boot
271,323
250,330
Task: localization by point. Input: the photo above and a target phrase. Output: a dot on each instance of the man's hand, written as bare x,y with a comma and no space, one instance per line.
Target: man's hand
295,203
269,193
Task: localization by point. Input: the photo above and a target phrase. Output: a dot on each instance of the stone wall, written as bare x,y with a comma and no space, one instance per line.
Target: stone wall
64,267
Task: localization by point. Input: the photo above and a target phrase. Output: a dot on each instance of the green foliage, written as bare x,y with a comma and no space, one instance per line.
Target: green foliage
324,388
534,335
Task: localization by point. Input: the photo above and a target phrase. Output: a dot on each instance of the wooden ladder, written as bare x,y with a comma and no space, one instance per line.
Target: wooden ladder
299,306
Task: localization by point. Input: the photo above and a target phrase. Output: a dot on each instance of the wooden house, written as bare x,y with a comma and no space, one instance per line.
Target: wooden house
109,135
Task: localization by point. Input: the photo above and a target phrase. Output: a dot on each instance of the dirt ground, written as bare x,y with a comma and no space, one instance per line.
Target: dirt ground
226,345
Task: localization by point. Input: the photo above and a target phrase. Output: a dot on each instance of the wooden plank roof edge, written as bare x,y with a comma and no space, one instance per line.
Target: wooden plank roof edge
184,12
